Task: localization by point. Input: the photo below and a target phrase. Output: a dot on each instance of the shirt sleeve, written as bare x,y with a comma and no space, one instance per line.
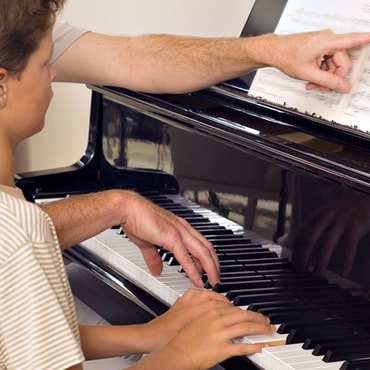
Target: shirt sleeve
64,34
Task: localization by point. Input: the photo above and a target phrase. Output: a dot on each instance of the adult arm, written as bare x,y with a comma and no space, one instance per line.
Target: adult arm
80,217
176,64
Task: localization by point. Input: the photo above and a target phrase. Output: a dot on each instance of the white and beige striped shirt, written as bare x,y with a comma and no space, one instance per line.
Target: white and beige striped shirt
38,326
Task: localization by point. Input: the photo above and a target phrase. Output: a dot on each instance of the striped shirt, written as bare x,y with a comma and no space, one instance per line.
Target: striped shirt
38,326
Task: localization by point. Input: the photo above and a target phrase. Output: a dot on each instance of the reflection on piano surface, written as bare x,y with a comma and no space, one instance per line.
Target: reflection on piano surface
247,175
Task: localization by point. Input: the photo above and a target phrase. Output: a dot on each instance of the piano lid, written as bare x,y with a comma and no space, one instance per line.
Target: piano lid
293,139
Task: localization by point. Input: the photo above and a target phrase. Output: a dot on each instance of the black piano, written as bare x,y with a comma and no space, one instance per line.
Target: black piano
263,183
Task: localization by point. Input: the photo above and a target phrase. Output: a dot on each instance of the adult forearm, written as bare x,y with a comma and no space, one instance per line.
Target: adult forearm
146,224
80,217
158,63
164,63
173,64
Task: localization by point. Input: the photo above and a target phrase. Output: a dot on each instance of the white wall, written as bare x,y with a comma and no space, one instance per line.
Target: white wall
64,138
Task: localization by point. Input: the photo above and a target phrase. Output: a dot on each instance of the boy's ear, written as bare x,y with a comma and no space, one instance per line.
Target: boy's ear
3,87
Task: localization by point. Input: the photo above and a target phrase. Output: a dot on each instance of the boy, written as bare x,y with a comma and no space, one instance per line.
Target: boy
38,323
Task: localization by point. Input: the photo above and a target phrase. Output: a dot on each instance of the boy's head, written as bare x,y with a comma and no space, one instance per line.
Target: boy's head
23,23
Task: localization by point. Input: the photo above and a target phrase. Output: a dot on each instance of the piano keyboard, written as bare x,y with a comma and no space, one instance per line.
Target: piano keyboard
310,313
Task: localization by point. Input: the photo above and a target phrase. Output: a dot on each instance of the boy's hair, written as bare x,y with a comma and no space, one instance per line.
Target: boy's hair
23,23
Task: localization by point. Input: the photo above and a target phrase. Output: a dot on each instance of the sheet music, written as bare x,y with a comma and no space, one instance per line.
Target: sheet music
348,109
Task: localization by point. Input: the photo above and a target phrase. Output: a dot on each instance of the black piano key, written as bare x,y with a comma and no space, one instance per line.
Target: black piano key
260,262
173,262
327,293
234,240
237,248
277,318
227,267
322,349
197,219
172,205
246,255
327,302
265,296
207,225
301,281
169,205
346,354
224,287
233,294
158,198
234,247
294,309
238,279
286,274
235,274
346,304
183,212
286,327
347,313
281,273
241,278
359,318
311,343
261,305
301,334
363,329
166,256
161,251
231,267
259,265
360,364
215,232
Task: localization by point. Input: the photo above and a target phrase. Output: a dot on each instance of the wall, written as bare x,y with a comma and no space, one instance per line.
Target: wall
64,138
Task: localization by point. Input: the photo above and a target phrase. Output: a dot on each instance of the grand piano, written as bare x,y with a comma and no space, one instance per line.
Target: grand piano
263,182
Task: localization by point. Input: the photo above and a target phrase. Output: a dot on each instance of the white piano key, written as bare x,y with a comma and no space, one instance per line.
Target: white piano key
269,355
274,339
294,357
125,256
315,366
256,359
